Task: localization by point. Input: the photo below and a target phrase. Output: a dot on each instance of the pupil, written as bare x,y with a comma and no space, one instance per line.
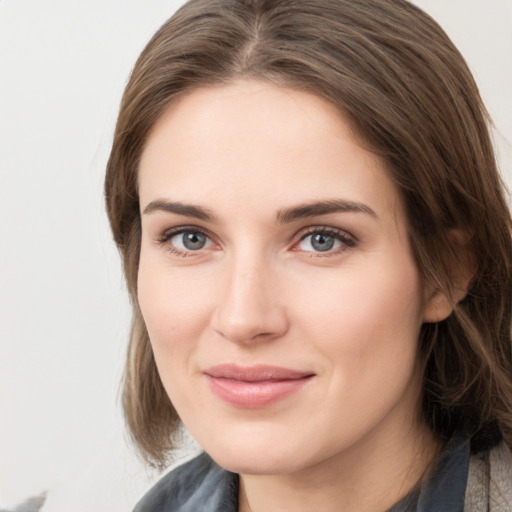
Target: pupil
322,242
194,241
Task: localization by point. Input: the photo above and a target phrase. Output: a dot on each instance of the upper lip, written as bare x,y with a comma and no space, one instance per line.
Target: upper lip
256,373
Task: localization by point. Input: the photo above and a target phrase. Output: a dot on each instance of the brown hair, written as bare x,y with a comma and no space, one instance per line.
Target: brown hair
411,98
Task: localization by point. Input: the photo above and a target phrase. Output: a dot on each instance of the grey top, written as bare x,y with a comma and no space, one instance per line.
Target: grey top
202,485
443,489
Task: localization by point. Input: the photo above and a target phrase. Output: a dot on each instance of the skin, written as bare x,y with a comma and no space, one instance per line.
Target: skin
260,292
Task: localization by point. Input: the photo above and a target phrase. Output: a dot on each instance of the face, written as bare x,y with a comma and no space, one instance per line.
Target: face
276,280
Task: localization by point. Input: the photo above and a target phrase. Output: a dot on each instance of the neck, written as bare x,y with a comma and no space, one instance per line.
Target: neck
370,476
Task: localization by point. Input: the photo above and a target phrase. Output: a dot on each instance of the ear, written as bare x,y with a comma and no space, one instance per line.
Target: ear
440,304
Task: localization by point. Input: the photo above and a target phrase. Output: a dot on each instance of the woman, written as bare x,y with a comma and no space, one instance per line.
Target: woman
318,250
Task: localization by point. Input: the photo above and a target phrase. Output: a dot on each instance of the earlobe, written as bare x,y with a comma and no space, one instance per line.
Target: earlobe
439,307
440,304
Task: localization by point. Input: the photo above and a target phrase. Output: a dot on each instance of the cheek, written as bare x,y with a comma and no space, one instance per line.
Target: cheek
367,320
367,334
176,307
176,311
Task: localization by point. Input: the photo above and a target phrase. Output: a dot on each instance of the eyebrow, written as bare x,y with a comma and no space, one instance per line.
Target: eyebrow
308,210
284,216
187,210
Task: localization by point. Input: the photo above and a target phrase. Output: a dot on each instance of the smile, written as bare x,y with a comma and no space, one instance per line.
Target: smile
256,386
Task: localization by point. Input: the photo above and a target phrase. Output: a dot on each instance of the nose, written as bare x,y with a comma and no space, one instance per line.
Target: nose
250,306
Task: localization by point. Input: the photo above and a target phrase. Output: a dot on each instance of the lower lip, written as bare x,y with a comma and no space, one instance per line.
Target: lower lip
253,395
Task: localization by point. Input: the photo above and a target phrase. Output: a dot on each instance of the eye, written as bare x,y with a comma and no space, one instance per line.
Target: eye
325,241
189,240
184,241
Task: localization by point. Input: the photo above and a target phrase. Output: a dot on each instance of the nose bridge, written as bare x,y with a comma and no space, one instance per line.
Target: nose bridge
249,305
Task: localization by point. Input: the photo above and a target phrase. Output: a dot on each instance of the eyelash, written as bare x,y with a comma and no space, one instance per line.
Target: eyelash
348,241
164,240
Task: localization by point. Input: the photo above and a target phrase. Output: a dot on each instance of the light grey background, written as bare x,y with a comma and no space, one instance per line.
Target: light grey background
63,311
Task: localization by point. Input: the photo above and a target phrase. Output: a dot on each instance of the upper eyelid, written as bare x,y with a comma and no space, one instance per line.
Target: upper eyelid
170,232
301,234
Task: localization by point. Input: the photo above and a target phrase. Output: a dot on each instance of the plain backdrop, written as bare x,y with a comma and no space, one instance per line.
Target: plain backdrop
64,314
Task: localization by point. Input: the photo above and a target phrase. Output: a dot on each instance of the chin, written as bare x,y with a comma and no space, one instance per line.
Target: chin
251,463
257,458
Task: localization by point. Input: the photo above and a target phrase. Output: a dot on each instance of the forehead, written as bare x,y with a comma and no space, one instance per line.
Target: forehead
263,144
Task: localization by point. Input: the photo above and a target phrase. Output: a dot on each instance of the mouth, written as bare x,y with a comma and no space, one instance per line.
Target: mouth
255,386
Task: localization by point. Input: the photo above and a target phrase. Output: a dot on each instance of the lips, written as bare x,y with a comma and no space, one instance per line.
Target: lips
255,386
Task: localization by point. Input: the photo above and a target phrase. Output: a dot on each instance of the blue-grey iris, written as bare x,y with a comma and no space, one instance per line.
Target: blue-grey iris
321,242
193,241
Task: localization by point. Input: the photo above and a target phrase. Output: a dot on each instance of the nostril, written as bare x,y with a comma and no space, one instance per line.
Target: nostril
249,330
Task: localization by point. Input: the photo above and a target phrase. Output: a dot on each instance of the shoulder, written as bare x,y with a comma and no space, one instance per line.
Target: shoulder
199,484
490,481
